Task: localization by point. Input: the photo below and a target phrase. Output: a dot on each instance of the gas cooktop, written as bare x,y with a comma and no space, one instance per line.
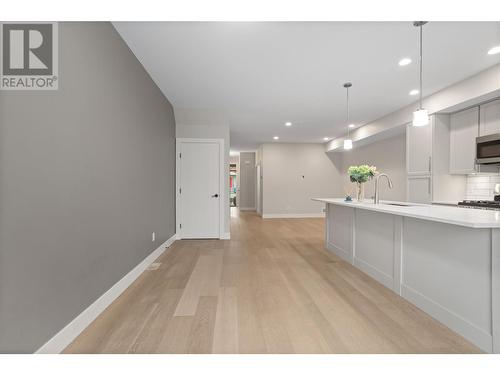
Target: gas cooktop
485,205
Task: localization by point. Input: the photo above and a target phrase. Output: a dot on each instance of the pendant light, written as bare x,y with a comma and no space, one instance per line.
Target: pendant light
420,116
348,141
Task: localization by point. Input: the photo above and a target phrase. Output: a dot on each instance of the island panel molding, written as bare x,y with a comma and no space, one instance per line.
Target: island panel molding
447,273
340,235
374,251
444,260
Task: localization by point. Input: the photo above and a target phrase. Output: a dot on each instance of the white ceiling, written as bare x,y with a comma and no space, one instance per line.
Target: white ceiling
264,74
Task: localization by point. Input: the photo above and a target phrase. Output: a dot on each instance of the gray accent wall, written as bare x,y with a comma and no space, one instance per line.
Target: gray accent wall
87,173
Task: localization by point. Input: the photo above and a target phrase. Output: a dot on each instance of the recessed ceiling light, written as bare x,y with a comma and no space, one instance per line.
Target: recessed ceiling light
494,50
326,139
414,92
405,61
352,126
288,124
276,137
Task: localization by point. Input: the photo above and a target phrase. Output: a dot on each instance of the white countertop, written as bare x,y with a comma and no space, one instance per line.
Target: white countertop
467,217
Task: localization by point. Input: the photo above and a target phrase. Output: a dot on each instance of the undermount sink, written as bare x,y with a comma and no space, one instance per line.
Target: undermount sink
399,204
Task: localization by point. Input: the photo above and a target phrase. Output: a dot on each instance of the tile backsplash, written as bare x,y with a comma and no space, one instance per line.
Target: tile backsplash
480,187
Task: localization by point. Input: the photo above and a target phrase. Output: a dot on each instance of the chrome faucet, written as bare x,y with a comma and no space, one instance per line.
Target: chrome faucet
376,196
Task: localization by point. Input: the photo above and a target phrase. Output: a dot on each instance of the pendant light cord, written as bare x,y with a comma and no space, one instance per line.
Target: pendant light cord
347,88
420,102
347,85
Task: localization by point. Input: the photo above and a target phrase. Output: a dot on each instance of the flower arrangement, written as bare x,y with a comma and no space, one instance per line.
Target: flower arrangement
361,174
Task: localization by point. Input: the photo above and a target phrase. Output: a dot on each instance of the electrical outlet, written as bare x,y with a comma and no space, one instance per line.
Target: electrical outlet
153,237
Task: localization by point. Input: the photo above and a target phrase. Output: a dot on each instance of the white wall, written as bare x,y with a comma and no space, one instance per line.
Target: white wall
292,175
389,156
248,181
191,123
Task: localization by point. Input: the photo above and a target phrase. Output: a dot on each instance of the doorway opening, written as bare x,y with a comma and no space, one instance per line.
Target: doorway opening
234,180
233,185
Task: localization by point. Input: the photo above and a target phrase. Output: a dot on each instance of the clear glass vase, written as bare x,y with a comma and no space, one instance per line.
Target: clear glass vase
360,192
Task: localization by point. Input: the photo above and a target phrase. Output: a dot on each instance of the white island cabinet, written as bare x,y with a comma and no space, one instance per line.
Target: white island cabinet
445,260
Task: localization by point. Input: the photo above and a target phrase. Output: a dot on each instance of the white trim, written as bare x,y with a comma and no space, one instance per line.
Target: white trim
398,254
291,216
167,243
222,182
66,335
376,274
226,236
495,288
247,208
453,321
339,252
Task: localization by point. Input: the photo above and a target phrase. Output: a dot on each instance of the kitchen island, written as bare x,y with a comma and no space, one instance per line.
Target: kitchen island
445,260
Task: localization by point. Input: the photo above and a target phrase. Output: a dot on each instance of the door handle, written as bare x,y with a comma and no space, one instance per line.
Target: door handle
215,196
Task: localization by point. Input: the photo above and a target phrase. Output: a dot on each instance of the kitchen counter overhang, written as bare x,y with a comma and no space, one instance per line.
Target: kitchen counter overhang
444,260
473,218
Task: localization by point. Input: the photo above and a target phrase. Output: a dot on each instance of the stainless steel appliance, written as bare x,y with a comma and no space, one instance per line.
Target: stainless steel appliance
488,149
484,205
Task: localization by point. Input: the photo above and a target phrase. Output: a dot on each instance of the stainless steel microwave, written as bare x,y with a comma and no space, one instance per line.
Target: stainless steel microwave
488,149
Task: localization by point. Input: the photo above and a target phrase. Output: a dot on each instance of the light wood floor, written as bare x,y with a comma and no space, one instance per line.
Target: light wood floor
271,289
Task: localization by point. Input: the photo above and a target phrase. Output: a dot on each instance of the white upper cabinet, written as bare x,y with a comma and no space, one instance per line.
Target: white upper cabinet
464,128
419,149
419,189
489,118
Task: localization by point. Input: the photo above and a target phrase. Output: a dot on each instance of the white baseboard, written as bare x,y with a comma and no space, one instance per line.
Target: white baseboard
66,335
247,208
383,278
292,216
226,236
471,332
339,252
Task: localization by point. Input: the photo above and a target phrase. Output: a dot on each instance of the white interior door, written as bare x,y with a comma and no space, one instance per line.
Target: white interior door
199,188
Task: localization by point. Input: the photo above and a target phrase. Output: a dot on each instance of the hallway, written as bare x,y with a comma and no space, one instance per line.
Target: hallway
272,288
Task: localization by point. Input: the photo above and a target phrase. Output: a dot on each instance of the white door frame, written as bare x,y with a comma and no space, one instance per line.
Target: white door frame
222,185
